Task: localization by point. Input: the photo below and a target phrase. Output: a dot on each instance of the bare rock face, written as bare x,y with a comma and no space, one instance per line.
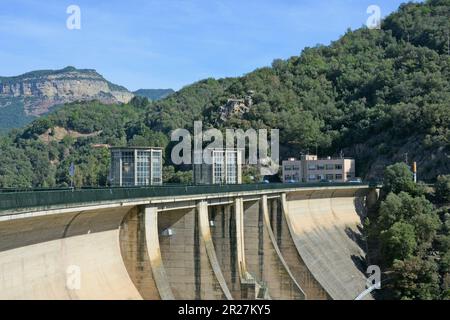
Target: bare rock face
38,91
236,107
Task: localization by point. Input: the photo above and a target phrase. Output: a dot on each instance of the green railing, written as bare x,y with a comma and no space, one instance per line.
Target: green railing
20,199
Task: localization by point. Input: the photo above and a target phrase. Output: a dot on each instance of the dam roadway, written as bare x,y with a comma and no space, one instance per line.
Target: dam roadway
261,241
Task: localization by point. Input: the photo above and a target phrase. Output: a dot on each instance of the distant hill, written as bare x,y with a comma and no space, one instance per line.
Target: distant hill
153,94
30,95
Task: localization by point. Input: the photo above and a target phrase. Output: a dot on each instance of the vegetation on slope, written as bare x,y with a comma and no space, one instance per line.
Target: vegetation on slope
410,237
153,94
373,94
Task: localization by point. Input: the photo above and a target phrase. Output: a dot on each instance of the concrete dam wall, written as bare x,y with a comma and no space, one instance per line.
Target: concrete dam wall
39,257
326,229
303,244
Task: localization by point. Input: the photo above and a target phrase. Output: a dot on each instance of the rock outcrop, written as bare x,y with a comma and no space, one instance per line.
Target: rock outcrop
35,93
236,107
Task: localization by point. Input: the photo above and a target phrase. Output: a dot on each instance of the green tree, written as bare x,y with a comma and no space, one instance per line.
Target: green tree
251,174
442,189
398,242
398,178
415,279
416,211
40,126
390,211
182,177
172,176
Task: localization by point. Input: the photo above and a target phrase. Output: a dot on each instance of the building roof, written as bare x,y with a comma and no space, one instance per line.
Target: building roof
135,148
318,159
224,149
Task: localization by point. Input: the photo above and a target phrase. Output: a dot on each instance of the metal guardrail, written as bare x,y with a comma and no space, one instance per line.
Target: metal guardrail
19,199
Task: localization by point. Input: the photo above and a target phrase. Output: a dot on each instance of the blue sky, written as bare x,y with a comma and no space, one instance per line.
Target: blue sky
170,43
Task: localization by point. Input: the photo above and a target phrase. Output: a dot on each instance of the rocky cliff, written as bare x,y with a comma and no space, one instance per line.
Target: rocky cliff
32,94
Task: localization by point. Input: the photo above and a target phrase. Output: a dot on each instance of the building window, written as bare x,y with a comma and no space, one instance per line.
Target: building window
296,168
320,167
339,177
115,168
311,167
330,166
231,167
312,177
143,168
225,167
287,168
338,166
330,177
218,167
156,167
127,168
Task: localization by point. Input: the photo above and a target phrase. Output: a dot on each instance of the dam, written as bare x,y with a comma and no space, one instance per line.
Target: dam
262,241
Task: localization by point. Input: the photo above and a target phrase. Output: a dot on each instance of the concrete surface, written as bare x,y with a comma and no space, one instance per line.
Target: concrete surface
325,226
298,268
72,257
185,257
262,260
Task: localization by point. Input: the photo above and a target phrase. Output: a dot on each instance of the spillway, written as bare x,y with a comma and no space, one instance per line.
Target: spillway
326,228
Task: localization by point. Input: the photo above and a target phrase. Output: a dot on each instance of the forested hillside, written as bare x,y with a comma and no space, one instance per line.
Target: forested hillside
408,236
153,94
374,94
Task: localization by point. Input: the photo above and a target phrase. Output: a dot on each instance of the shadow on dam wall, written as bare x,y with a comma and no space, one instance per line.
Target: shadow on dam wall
184,256
305,244
223,231
312,288
326,229
135,254
263,262
261,259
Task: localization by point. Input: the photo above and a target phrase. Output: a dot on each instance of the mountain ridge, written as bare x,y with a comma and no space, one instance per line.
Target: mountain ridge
35,93
153,94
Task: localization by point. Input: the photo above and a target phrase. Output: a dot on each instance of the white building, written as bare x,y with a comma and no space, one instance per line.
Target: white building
136,166
224,167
